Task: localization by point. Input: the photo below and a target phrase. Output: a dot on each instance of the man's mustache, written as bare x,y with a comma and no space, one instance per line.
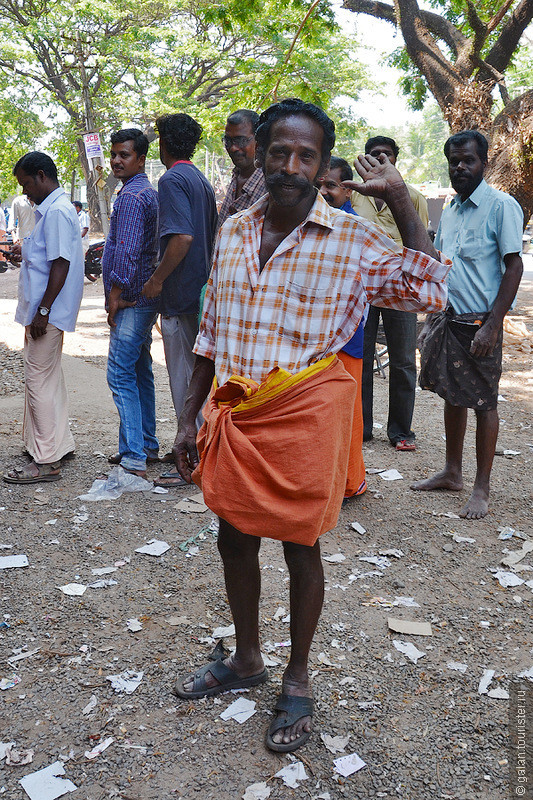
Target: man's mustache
273,181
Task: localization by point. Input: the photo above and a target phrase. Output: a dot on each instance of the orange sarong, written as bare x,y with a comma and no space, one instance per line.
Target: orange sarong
274,456
355,480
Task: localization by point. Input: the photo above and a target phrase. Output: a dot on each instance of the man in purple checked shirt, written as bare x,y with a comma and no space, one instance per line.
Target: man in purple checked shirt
129,260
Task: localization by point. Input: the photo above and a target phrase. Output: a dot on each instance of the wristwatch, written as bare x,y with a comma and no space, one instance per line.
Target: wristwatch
43,311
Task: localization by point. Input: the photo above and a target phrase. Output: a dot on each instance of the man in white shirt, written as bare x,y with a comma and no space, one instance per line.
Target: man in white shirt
21,218
50,291
85,224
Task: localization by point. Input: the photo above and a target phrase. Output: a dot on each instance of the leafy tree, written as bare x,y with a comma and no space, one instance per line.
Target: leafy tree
20,128
461,53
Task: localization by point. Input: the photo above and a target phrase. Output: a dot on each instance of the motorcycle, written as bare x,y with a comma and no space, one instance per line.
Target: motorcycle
93,260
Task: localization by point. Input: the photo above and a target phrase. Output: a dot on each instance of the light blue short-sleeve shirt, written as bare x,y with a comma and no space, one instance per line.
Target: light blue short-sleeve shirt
476,234
56,235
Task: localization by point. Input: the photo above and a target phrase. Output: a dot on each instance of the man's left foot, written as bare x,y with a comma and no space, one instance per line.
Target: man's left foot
216,677
34,473
477,505
406,445
292,725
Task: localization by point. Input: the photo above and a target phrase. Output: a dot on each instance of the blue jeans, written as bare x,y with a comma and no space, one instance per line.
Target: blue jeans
400,333
131,380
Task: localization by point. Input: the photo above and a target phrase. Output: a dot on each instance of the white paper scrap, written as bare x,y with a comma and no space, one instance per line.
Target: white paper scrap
391,475
9,683
527,673
517,555
291,774
4,747
337,558
73,589
155,547
240,710
379,561
406,602
90,705
457,666
392,552
103,584
134,625
103,570
99,748
17,758
347,765
507,579
498,694
409,627
257,791
335,744
126,681
358,527
485,680
409,650
45,784
222,631
10,562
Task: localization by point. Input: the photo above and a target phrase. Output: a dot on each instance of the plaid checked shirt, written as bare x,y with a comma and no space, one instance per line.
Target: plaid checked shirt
131,249
309,298
252,190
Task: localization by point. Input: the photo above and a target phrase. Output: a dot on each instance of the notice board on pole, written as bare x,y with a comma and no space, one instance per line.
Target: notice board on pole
93,148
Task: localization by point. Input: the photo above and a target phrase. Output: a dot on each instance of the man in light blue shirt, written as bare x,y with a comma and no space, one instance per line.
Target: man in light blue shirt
50,291
461,350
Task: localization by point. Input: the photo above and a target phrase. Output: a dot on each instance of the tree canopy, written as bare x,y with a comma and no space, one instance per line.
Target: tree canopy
461,52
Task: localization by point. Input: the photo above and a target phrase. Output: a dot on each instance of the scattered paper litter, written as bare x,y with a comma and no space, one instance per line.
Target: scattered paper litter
99,748
409,627
291,774
90,705
103,570
4,746
159,490
391,475
187,506
155,547
24,654
17,758
517,555
177,621
379,561
10,562
506,533
507,579
134,625
409,650
323,658
221,632
257,791
406,602
457,666
366,705
374,470
6,546
462,539
335,744
393,552
347,765
73,589
337,558
240,710
9,683
377,602
527,673
126,681
485,680
103,584
358,527
45,784
498,694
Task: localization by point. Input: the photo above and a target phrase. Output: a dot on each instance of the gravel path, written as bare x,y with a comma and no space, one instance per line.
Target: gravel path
422,728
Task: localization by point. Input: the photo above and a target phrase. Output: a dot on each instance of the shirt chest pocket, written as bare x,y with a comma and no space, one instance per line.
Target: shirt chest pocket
307,313
470,243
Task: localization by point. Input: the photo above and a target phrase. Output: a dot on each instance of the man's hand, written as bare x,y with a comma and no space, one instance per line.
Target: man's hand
153,287
378,174
485,339
38,326
114,303
14,253
185,452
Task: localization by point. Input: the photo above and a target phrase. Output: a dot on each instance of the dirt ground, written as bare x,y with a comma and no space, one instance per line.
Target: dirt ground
423,728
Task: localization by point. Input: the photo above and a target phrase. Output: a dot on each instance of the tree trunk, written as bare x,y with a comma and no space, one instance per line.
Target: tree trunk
92,196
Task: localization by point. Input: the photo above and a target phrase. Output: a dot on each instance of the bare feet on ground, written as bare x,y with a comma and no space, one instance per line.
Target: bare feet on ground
477,505
303,725
442,480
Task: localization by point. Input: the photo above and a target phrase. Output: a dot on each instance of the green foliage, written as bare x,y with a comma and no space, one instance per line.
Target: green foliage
20,128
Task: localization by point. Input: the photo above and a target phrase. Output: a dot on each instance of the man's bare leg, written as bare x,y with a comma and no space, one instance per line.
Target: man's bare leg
240,557
306,598
451,477
487,425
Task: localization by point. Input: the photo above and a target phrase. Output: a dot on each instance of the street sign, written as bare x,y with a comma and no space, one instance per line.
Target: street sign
93,148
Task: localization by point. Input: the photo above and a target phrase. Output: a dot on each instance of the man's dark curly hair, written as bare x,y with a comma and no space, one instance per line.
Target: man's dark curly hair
180,134
291,107
461,138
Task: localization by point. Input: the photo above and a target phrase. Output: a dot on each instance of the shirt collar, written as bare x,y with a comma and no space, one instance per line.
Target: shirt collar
133,178
347,206
476,197
319,214
43,207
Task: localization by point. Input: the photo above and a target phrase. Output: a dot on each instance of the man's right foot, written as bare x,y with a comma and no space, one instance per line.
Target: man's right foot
219,676
442,480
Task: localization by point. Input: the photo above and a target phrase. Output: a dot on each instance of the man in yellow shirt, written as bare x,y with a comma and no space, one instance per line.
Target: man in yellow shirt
399,326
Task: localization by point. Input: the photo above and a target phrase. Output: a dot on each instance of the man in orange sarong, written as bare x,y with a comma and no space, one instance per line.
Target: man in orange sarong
289,282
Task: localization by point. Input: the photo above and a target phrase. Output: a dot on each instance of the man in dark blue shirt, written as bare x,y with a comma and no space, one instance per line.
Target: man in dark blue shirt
129,260
187,219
